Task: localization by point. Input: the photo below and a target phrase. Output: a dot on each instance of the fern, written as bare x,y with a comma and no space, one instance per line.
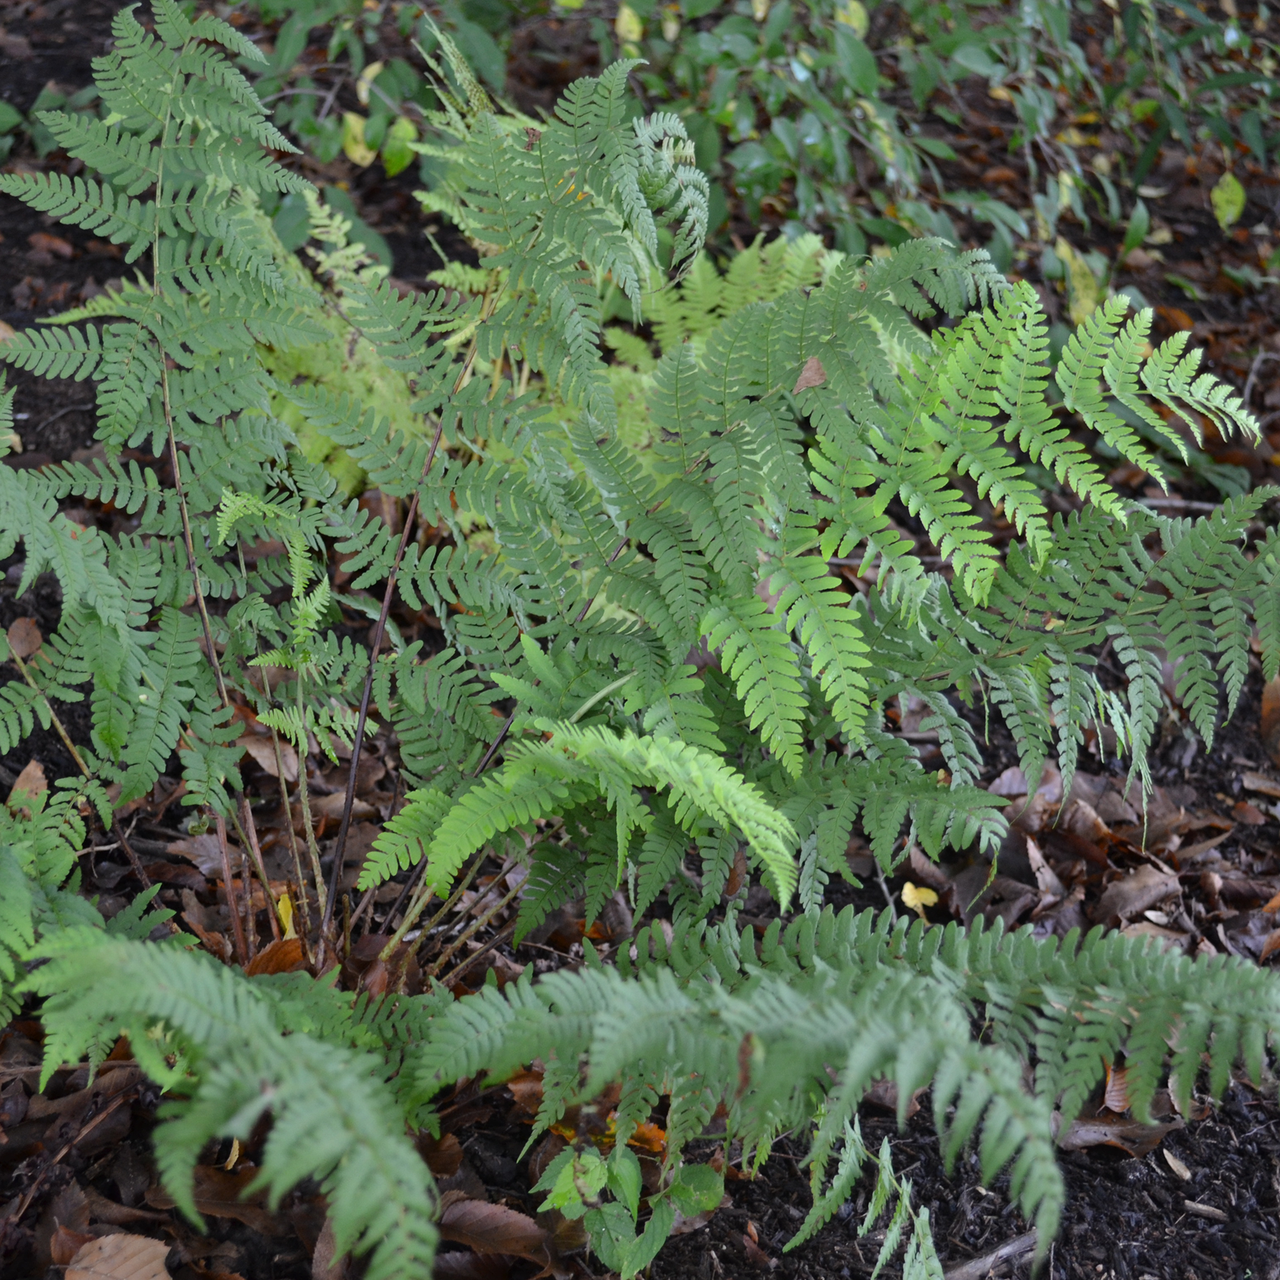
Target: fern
654,672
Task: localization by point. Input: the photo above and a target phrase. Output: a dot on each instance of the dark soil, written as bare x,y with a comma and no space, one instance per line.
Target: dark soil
1126,1216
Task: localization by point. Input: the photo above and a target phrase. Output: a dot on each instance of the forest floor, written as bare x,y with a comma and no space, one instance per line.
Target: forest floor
1195,1197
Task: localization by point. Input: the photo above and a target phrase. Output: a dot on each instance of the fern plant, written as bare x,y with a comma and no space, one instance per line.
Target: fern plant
653,676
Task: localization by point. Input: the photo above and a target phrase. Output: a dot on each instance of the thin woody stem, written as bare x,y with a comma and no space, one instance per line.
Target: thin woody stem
340,847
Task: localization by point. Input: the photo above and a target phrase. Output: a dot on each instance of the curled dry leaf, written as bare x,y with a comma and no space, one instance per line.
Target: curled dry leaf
24,637
218,1194
1129,1135
1260,782
120,1257
1180,1170
493,1228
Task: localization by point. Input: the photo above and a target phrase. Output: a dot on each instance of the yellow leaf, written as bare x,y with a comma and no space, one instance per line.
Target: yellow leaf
1083,291
286,916
353,143
1228,199
367,77
917,898
628,24
854,14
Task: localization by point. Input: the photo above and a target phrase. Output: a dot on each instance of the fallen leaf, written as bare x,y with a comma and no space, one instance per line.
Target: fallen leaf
1228,199
1180,1170
263,755
284,955
326,1262
65,1243
30,783
1270,945
1136,892
1271,719
812,375
917,898
1248,813
24,637
884,1093
443,1155
52,246
218,1194
1001,174
204,852
1261,783
331,807
1129,1135
493,1228
120,1257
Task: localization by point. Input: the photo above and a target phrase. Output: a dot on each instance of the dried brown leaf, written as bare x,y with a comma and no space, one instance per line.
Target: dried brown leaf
218,1195
1260,782
493,1228
24,637
263,754
812,375
1129,1135
1271,721
120,1257
30,783
1136,892
284,955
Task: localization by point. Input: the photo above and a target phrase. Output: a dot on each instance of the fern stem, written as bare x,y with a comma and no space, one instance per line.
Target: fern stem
134,861
459,969
53,715
340,848
250,842
303,905
417,907
304,800
237,929
472,930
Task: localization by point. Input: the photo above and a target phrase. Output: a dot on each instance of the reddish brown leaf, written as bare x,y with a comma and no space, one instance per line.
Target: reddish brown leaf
24,637
526,1089
1261,783
65,1243
54,246
1270,946
120,1257
218,1195
472,1266
1176,318
493,1228
443,1156
1249,814
998,175
326,1262
284,955
1271,719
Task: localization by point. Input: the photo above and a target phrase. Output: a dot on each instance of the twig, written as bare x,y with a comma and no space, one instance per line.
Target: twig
53,417
249,835
25,1203
459,969
1260,359
469,933
979,1268
1183,503
420,902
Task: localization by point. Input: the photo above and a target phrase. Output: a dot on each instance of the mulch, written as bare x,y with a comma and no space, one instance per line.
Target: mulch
1203,1201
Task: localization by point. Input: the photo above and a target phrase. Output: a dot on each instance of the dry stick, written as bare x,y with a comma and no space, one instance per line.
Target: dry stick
249,841
459,969
419,905
977,1268
25,671
473,930
340,848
